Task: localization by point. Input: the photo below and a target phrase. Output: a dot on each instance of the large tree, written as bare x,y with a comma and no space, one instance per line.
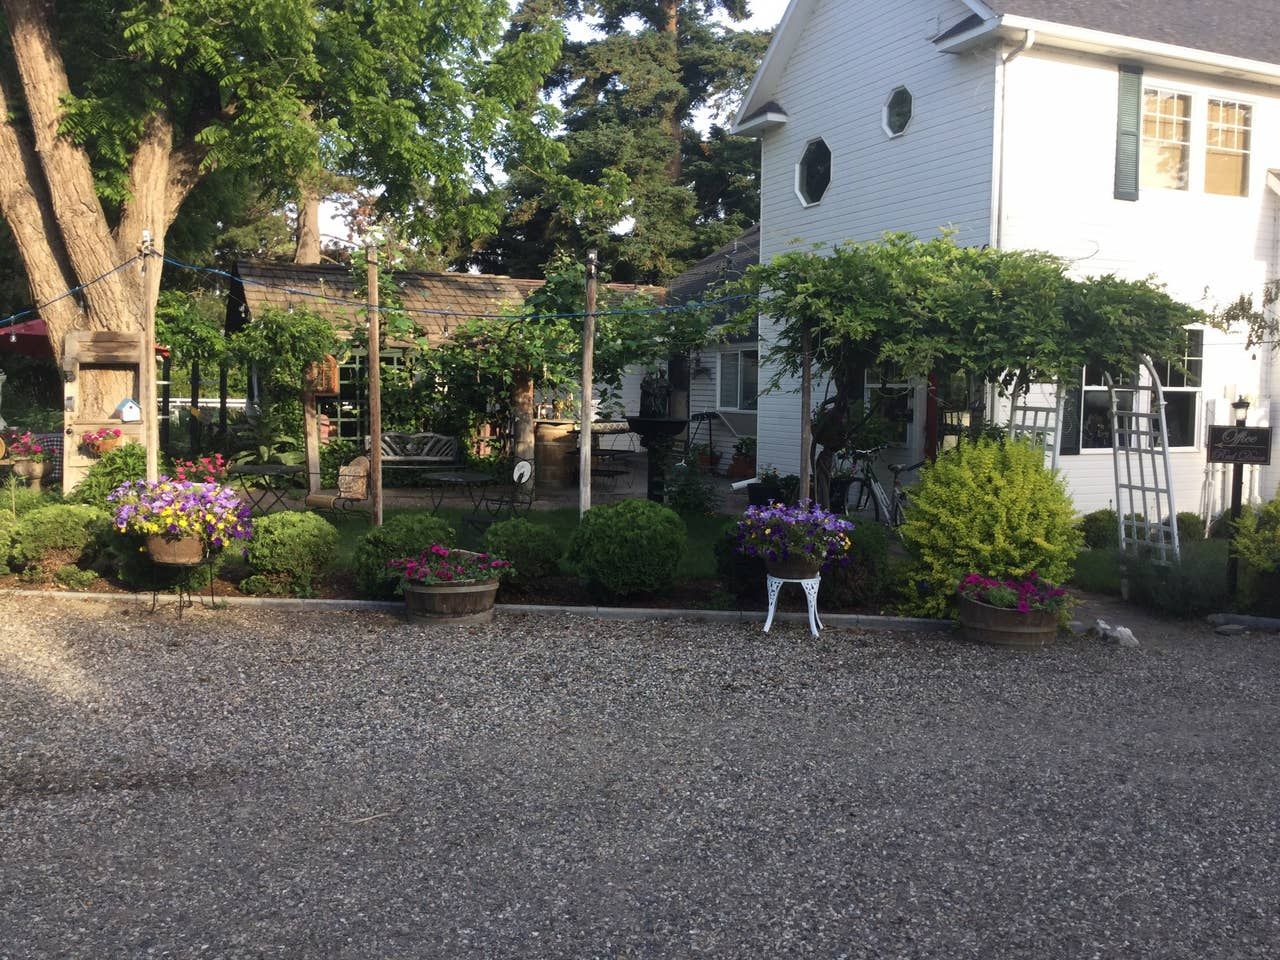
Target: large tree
112,113
631,151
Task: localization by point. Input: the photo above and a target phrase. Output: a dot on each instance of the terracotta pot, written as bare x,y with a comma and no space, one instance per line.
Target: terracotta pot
470,601
176,551
32,471
794,568
1000,627
742,467
107,444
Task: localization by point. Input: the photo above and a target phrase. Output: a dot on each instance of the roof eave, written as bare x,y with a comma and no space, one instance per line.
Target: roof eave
760,123
1113,45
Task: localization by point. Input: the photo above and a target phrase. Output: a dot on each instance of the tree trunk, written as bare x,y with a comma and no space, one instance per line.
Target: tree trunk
523,427
671,29
307,233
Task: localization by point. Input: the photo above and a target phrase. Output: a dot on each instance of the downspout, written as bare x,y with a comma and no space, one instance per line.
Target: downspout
1028,39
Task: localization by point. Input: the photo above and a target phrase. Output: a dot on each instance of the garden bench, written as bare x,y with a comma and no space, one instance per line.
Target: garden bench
353,489
418,451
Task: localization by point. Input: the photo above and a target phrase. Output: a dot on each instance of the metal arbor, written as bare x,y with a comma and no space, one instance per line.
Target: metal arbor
1145,511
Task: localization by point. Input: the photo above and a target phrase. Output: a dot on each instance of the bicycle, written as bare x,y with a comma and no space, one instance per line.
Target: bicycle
866,490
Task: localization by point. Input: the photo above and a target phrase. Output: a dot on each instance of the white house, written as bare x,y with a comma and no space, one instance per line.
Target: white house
1139,139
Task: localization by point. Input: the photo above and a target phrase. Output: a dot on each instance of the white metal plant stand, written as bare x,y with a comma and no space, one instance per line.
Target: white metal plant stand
1145,511
810,586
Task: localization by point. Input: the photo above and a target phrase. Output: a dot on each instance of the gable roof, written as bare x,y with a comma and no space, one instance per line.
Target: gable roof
1249,29
730,262
1238,38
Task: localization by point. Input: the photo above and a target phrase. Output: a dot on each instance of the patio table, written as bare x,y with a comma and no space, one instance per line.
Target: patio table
473,482
269,480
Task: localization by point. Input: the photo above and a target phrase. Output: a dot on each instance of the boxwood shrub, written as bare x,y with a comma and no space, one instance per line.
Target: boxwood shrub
51,537
403,535
628,548
534,549
288,551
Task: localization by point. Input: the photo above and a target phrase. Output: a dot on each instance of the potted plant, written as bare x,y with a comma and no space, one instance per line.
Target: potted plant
100,441
794,542
450,586
180,520
1022,613
707,457
30,459
743,464
766,490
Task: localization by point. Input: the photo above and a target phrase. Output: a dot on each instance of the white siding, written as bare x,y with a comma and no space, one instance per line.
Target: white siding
1058,196
851,56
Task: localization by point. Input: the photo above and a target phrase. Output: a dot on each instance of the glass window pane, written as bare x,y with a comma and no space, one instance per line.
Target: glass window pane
1180,417
750,380
729,380
1226,173
1095,417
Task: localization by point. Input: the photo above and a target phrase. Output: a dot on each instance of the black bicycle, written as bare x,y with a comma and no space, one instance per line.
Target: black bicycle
867,493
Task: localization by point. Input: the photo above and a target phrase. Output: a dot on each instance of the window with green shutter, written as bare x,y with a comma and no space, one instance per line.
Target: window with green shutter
1128,133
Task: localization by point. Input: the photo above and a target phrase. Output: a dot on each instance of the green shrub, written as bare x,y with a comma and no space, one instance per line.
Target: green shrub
74,578
334,454
1190,527
866,580
534,549
290,549
124,463
992,508
740,575
1257,536
51,537
1097,571
1193,588
17,499
690,492
627,548
403,535
7,524
1100,530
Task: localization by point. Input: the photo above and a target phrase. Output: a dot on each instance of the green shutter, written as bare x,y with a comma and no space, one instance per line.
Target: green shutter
1128,133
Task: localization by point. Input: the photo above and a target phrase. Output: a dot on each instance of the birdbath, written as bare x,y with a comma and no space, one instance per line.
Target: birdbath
656,436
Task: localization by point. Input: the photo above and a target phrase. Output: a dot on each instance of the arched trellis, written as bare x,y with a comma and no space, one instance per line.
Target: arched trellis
1146,514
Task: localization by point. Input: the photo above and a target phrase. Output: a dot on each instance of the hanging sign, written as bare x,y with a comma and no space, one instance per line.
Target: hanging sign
1240,445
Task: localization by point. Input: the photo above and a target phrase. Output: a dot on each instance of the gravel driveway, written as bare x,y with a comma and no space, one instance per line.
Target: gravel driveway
268,784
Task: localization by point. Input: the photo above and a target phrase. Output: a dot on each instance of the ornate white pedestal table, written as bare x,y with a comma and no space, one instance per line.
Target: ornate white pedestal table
810,586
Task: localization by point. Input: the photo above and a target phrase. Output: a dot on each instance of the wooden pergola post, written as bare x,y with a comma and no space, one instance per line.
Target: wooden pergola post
375,389
588,375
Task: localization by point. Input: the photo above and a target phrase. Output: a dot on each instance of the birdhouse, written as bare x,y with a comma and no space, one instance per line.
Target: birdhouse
127,411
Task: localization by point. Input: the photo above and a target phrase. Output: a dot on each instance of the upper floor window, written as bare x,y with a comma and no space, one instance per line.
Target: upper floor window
1226,156
813,172
1166,139
897,112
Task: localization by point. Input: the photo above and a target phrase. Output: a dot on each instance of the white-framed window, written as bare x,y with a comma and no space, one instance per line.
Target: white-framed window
1181,379
888,392
738,382
897,112
1166,139
1228,136
813,172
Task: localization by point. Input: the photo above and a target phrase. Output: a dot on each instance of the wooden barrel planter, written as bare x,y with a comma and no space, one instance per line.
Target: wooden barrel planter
466,602
176,551
1001,627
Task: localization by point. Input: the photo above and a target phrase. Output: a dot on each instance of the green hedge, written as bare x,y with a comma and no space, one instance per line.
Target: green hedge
628,548
403,535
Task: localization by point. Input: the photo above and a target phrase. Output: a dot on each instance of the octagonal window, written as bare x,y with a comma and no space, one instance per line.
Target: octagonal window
897,112
813,172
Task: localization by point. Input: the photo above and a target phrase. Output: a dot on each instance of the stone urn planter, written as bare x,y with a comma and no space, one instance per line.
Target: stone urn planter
467,602
33,471
176,551
1001,627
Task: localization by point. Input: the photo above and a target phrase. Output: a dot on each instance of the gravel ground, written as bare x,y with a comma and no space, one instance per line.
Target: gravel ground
264,784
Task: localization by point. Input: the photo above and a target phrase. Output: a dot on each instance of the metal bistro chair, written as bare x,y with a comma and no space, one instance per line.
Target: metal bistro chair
505,498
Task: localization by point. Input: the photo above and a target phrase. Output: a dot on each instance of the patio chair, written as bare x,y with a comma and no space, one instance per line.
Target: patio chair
353,489
509,495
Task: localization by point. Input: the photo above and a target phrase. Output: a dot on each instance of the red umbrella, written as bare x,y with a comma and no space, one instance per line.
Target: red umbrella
30,337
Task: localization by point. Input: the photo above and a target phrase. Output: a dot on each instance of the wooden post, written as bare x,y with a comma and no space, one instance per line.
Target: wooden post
588,374
311,438
147,368
375,389
806,410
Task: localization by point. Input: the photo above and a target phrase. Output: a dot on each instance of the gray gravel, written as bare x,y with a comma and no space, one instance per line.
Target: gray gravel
256,784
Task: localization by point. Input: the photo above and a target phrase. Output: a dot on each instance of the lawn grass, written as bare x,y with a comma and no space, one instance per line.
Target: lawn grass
698,563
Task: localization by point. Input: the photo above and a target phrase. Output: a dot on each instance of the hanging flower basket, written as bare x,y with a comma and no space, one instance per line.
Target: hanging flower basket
101,441
450,586
185,551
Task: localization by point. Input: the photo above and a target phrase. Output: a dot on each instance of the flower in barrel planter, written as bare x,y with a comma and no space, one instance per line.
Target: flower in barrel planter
180,518
99,441
1021,612
450,586
795,542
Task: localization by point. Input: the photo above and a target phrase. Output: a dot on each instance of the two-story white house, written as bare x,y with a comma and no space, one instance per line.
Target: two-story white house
1140,139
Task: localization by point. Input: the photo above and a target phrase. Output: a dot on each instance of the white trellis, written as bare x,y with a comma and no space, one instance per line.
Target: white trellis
1039,422
1145,511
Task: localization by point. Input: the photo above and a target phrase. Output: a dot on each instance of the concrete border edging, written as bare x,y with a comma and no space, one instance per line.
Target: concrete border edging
847,620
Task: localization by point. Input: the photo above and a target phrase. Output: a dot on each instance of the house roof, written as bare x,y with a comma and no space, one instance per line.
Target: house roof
1249,29
324,287
1240,38
699,282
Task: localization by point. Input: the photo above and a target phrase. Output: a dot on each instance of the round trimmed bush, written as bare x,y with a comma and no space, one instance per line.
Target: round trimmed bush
403,535
7,523
534,549
627,548
288,550
51,537
988,507
1100,530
